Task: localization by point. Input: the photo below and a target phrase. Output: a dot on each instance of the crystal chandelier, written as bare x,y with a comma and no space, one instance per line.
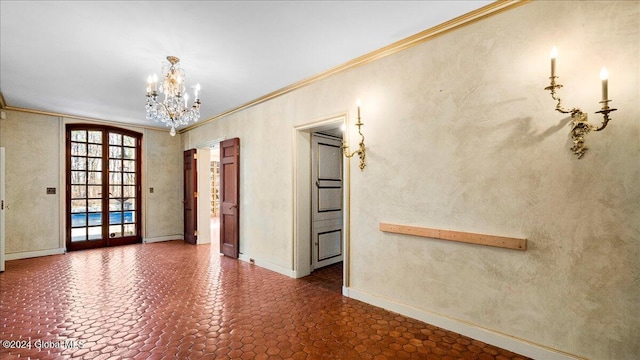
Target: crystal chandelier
174,110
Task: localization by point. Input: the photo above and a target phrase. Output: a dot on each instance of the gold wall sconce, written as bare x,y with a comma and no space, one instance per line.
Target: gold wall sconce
580,126
361,148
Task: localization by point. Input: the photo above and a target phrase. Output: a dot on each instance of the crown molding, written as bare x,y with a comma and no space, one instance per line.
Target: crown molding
76,117
419,38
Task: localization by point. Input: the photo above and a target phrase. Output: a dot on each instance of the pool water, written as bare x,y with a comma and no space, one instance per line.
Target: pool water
115,217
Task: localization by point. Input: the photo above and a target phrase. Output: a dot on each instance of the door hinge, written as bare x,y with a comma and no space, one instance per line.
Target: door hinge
195,233
195,194
195,156
1,204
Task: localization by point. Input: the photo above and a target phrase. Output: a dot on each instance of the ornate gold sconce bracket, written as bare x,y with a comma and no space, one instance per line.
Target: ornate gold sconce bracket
361,152
580,125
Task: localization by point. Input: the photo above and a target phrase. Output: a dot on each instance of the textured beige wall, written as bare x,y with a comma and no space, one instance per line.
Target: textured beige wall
32,217
163,164
265,186
462,136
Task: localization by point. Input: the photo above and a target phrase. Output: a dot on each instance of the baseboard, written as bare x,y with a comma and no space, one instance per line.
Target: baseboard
163,238
267,265
503,341
297,274
32,254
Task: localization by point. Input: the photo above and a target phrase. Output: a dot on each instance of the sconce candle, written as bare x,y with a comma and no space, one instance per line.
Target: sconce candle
358,103
604,76
554,55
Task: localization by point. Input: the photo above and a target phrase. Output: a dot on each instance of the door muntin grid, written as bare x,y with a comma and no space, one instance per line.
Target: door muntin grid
122,185
86,183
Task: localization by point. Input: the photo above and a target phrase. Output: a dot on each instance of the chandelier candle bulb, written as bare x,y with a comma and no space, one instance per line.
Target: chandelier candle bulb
604,76
358,103
554,55
149,85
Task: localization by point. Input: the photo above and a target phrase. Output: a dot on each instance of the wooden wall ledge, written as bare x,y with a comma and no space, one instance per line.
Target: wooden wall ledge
471,238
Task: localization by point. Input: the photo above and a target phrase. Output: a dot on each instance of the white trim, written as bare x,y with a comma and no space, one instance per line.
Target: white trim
2,175
297,274
269,266
32,254
301,223
208,144
519,346
203,201
163,238
144,184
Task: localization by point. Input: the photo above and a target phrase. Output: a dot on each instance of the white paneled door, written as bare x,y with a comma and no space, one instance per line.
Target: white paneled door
326,200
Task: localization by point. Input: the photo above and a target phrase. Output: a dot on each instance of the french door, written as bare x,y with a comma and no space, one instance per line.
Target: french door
103,186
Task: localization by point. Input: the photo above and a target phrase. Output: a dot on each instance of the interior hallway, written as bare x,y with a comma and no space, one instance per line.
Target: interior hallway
174,300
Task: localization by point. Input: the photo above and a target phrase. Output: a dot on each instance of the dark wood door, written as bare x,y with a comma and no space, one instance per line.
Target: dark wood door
230,197
190,196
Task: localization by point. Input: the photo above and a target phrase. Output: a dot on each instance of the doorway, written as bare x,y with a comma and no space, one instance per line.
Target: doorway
214,181
303,186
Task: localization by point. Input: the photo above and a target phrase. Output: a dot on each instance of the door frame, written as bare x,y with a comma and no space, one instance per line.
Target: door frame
302,195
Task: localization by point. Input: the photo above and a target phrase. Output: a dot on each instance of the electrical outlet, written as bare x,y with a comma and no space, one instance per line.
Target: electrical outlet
51,191
150,190
252,261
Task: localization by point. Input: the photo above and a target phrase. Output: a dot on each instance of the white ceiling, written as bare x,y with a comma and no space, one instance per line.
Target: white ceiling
92,59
